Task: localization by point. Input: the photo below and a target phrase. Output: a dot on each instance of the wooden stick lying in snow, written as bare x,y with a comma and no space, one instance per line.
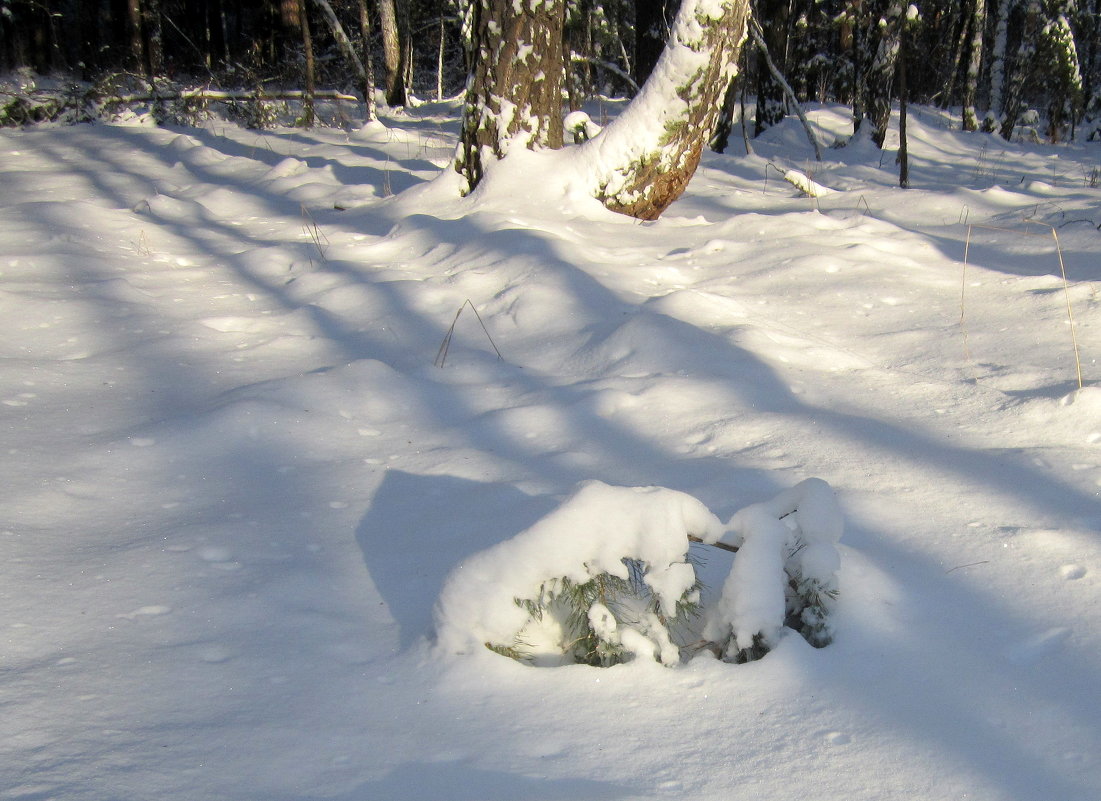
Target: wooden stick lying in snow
724,546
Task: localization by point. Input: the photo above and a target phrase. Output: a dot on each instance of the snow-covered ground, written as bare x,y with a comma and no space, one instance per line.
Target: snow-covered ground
234,481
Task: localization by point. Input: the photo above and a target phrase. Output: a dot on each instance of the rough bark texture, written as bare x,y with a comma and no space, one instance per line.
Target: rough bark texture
974,63
137,44
307,45
394,47
653,171
515,93
368,59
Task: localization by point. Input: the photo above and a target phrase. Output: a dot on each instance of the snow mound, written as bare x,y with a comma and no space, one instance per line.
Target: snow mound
518,597
591,533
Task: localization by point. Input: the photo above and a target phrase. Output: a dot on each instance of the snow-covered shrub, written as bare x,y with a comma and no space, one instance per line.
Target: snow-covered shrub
580,127
606,577
601,579
785,572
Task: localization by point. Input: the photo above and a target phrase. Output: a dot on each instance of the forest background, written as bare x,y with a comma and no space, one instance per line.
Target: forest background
1021,66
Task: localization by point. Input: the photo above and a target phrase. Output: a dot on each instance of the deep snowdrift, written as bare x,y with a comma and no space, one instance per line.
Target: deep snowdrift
234,481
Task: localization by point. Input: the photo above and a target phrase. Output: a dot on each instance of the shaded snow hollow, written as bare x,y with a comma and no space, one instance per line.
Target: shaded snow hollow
234,483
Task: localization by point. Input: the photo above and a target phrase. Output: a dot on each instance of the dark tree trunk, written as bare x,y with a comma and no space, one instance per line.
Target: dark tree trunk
307,46
135,38
516,89
1018,72
880,78
974,65
394,47
773,16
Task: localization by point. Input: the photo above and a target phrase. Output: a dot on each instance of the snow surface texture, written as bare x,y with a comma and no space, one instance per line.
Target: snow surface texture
234,483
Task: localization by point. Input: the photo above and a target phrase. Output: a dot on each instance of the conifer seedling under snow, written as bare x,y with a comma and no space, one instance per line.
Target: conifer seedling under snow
606,578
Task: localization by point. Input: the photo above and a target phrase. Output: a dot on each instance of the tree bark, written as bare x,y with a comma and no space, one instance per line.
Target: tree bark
133,29
903,90
368,60
644,159
515,94
974,64
307,45
394,46
154,40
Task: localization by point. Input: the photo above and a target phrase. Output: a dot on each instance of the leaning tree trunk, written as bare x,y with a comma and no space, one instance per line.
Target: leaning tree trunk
644,159
515,93
345,45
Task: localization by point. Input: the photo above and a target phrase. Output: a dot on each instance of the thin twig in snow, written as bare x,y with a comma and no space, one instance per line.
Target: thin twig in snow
441,354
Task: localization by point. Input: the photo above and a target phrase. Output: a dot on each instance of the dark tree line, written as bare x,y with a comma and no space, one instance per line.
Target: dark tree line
994,59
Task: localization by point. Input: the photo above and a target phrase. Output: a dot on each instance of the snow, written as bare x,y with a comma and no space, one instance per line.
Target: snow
591,533
235,484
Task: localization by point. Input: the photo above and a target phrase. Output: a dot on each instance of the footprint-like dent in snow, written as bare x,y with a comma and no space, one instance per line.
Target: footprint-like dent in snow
1072,572
215,554
146,611
838,738
215,654
1036,648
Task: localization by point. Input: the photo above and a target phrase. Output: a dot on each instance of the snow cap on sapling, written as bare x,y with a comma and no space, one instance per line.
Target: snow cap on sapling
489,598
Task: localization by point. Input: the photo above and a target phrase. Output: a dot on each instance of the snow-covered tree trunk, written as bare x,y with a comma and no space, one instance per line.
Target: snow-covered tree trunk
514,96
644,159
368,60
998,56
880,78
974,64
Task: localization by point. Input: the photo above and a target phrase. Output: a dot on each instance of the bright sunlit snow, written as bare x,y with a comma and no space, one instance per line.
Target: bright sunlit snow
234,481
